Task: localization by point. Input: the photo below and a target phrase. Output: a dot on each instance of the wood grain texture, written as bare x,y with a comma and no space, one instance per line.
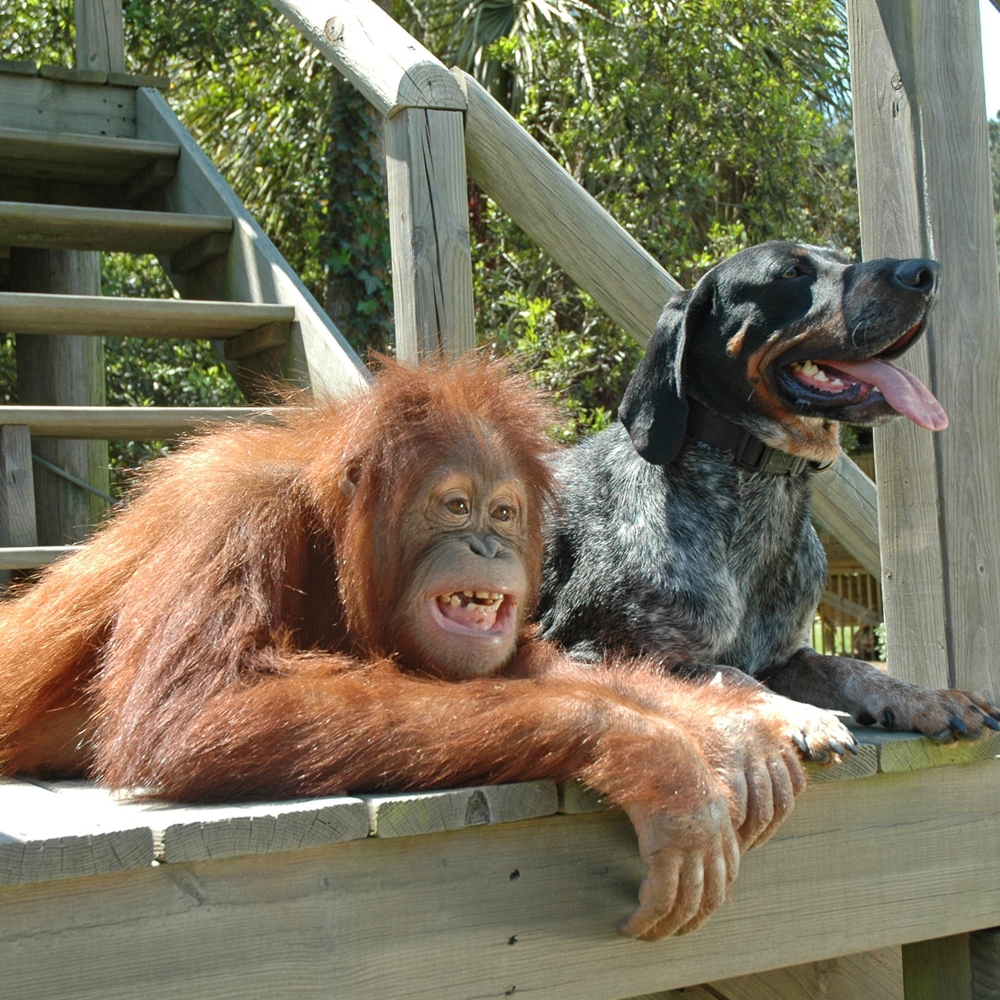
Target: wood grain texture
75,157
317,356
924,186
938,970
193,833
625,281
100,36
565,221
845,503
100,316
390,67
124,423
40,839
59,371
403,815
31,102
873,975
17,490
71,227
429,234
531,905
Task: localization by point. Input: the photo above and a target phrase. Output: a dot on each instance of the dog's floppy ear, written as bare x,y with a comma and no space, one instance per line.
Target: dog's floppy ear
653,408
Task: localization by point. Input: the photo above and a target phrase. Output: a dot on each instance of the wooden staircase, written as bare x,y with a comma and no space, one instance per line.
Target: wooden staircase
97,162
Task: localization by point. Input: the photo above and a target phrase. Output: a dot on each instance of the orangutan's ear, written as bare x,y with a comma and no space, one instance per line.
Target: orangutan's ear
349,480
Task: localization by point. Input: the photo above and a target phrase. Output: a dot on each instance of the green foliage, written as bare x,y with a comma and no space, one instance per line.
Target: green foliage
702,127
155,372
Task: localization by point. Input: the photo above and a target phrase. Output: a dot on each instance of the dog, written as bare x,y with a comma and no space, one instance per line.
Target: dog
684,531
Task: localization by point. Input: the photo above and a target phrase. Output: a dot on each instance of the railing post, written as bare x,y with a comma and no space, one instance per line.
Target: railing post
17,491
924,187
429,233
425,166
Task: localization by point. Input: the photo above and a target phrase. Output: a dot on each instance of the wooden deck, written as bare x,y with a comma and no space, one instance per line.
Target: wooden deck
486,892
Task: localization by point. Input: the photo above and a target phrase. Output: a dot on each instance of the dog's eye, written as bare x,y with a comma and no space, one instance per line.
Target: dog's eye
795,271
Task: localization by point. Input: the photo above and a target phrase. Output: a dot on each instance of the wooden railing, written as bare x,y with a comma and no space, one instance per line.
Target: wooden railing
427,154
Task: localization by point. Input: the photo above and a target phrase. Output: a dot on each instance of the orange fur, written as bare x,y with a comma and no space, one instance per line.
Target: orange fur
235,633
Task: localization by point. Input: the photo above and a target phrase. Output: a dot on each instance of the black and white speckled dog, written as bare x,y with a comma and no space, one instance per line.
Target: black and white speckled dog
684,532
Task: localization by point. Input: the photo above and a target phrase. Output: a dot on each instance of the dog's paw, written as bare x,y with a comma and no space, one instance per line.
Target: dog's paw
942,716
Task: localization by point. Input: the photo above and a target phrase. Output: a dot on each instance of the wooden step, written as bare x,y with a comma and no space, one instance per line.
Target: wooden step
32,557
196,238
89,159
99,316
124,423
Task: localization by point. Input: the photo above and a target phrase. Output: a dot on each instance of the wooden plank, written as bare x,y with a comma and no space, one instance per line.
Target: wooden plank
253,271
17,492
562,218
984,952
70,227
403,815
196,833
93,77
33,556
625,281
30,102
100,35
535,903
938,970
924,186
845,503
77,157
262,338
124,423
57,371
873,974
429,233
98,316
390,67
910,752
41,840
22,67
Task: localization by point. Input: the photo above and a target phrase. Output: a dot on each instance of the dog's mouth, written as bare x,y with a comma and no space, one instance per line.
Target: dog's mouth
864,387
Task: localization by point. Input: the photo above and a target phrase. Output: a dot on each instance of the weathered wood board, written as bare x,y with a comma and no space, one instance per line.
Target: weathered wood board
514,908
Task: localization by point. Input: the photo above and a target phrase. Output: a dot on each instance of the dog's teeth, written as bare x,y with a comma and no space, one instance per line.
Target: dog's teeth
820,376
837,383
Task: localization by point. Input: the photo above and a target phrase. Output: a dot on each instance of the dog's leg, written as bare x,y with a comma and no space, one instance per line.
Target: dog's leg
874,697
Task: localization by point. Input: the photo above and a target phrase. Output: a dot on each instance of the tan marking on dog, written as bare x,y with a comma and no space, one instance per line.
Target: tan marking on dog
735,343
813,438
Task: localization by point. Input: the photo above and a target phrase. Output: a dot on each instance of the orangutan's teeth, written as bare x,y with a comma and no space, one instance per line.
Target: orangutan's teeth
496,597
468,593
456,601
482,593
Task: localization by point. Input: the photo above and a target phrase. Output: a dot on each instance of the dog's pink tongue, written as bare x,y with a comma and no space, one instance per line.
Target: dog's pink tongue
903,391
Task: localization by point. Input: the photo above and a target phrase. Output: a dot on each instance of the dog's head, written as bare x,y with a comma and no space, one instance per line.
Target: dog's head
786,341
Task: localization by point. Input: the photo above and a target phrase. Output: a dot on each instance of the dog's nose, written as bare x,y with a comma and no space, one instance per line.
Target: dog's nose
920,275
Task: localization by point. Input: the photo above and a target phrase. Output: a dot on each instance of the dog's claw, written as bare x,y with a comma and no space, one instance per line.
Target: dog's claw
991,723
888,719
942,735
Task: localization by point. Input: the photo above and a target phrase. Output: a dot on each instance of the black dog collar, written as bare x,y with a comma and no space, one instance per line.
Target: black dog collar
747,451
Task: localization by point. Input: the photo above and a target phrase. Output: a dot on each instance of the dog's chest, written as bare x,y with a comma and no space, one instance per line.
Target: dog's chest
759,554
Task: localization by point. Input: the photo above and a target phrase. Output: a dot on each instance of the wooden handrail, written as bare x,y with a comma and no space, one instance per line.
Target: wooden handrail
123,423
387,64
631,287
